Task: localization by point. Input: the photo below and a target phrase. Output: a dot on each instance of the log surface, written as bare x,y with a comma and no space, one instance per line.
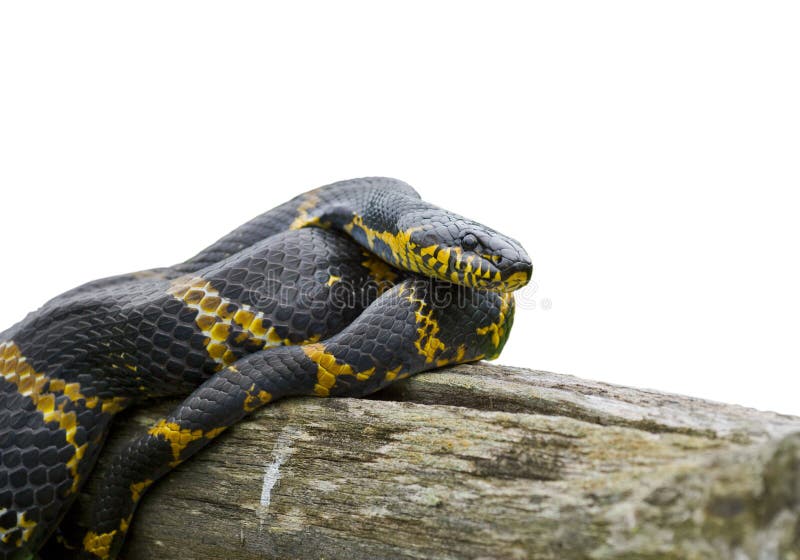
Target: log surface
482,461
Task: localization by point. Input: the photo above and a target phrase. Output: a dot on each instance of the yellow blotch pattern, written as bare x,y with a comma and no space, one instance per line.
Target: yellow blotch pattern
379,271
427,343
392,374
44,393
114,405
138,488
23,530
303,212
399,243
329,368
457,359
99,545
515,281
497,329
255,398
179,438
217,316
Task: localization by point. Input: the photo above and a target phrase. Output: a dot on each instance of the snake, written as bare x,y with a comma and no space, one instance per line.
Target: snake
338,292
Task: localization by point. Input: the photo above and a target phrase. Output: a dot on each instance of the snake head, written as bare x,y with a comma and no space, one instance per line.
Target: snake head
443,245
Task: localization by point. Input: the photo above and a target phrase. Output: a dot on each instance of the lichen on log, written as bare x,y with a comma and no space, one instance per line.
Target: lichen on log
481,461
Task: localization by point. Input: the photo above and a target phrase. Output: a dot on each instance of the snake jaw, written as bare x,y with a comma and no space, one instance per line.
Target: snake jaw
481,272
474,269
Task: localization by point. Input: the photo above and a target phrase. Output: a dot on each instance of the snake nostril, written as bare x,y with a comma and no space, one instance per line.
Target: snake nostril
523,266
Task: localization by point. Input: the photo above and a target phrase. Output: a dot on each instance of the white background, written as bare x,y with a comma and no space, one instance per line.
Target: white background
645,153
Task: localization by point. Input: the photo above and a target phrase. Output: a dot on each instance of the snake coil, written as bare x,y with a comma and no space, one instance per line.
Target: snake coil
338,292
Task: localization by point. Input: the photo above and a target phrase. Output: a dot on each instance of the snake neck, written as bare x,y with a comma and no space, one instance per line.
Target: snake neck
388,218
325,206
378,202
371,211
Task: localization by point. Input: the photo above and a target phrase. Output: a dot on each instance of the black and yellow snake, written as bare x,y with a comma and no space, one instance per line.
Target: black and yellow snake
385,287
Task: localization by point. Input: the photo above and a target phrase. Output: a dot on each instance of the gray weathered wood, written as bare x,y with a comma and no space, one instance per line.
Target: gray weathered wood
483,461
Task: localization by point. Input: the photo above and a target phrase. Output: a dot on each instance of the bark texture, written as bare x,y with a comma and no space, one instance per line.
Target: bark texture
482,461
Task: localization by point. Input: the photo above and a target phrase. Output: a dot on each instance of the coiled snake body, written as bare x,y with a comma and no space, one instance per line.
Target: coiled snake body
385,286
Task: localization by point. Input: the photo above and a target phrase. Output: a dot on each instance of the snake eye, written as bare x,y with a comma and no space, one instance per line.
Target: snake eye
469,242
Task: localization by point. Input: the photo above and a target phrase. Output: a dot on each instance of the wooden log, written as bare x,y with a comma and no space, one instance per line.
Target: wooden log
482,461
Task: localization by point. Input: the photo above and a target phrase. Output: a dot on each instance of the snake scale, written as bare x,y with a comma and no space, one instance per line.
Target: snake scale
338,292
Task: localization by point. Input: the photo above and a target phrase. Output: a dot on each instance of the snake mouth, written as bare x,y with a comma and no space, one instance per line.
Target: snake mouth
516,280
492,273
482,271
